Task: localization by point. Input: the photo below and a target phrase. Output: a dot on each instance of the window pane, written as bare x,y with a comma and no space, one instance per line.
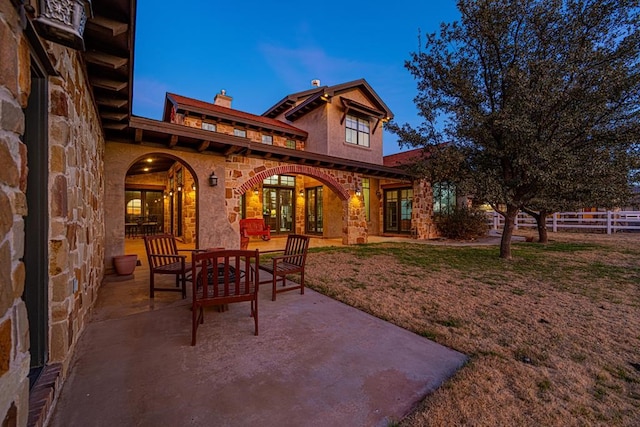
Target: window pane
209,126
240,132
352,136
267,139
289,181
364,139
367,202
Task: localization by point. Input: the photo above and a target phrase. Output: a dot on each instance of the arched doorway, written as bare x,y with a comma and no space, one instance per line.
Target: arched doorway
160,197
314,201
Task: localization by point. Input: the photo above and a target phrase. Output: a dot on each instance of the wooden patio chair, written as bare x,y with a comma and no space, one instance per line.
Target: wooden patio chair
292,261
163,257
223,277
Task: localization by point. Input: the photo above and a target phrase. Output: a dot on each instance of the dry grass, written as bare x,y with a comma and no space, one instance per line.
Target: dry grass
553,336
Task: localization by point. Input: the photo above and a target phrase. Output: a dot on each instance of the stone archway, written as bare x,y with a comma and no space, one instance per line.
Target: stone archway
354,229
119,158
325,178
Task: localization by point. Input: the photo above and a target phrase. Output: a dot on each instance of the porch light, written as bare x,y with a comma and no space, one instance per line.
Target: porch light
256,191
301,194
63,21
358,191
171,193
193,186
213,179
179,187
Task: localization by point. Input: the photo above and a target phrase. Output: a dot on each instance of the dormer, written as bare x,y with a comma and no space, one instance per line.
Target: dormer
343,120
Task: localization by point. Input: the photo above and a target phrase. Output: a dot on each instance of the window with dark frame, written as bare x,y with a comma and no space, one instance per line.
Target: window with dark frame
267,139
444,197
240,132
290,144
357,130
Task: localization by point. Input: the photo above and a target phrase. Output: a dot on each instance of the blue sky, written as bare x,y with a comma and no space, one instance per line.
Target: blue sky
261,51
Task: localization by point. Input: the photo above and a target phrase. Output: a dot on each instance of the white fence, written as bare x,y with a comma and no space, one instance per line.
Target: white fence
608,221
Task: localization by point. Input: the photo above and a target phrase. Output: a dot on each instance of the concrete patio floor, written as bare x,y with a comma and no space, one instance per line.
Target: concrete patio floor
316,362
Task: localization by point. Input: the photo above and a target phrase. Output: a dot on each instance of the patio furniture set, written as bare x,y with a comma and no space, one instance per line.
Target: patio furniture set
232,275
142,226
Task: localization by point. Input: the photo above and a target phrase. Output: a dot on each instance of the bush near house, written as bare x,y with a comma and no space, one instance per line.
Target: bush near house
462,224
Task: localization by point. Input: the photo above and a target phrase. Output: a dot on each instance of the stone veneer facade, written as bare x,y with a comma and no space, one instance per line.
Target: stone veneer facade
76,223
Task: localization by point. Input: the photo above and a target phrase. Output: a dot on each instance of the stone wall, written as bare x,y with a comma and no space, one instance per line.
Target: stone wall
14,328
76,222
422,212
76,229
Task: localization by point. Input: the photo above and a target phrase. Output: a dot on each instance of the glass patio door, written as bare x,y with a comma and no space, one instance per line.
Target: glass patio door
313,215
279,209
398,205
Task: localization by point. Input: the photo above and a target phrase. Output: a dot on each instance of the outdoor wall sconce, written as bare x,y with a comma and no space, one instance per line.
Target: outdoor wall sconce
256,191
358,192
63,21
301,194
171,193
213,179
164,195
193,186
179,187
378,193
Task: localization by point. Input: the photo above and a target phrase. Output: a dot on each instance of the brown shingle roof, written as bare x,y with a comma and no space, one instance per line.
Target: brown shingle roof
403,158
207,108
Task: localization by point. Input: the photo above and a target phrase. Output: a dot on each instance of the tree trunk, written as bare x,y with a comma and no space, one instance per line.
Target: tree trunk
507,232
541,220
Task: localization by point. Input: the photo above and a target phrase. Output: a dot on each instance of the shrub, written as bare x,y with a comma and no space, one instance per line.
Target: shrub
462,224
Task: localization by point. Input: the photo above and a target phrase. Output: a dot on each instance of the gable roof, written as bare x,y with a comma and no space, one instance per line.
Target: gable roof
313,98
228,114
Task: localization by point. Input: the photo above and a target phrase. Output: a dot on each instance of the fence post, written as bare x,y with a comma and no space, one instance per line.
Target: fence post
555,222
609,222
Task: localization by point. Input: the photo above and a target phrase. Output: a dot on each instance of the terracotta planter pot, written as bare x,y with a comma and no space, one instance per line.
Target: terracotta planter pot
125,264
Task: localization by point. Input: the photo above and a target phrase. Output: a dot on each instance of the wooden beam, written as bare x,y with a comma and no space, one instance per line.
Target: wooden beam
106,27
118,117
139,133
203,146
231,150
112,102
115,126
106,60
109,84
173,141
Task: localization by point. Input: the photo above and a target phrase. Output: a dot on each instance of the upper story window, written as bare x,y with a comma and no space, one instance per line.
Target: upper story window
267,139
290,144
240,132
209,126
357,130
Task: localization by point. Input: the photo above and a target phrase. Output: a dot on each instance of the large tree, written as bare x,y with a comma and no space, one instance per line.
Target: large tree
527,92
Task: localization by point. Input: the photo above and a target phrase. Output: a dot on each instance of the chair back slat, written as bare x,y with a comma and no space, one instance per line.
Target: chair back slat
223,277
297,244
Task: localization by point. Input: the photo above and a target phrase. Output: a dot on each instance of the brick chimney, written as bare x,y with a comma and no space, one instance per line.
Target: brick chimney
222,99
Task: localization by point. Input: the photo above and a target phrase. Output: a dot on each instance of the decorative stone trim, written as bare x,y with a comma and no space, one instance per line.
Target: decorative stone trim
329,180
